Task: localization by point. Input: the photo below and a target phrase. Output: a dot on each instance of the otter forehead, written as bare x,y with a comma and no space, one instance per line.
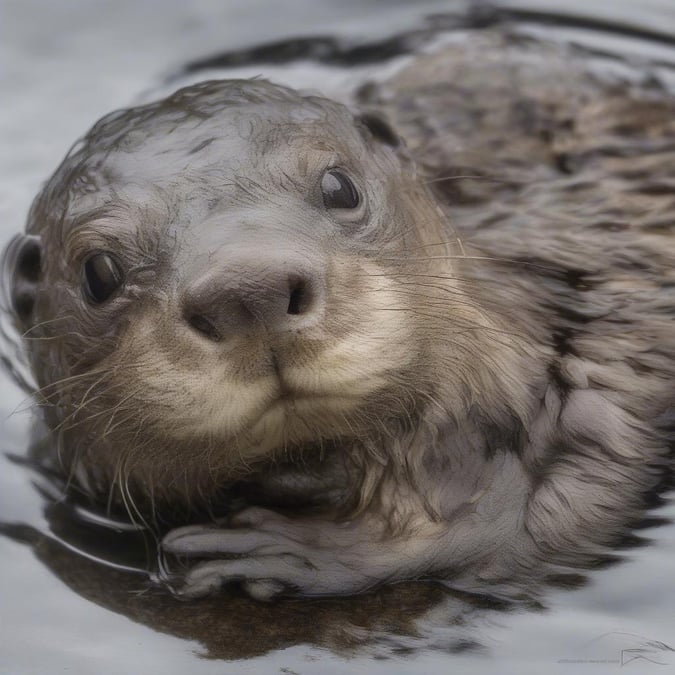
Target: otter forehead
213,137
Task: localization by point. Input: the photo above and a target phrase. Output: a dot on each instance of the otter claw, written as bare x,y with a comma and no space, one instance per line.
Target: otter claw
208,541
263,578
176,539
191,541
264,589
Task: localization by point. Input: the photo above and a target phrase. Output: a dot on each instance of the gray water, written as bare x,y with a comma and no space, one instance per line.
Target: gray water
63,65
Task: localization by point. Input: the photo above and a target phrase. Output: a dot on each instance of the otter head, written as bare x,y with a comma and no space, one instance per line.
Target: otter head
228,276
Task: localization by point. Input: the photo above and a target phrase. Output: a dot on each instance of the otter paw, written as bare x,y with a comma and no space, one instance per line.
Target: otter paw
262,578
270,554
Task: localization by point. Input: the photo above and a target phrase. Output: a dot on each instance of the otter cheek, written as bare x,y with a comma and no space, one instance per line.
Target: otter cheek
379,341
186,389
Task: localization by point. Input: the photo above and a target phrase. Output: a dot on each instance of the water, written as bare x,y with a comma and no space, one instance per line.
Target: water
63,66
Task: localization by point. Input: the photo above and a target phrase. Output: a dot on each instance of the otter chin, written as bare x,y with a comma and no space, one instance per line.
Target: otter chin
246,287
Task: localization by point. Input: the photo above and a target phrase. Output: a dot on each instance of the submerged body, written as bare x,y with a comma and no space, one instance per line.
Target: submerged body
246,288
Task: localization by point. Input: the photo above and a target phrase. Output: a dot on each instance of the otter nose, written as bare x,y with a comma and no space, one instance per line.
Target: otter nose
244,296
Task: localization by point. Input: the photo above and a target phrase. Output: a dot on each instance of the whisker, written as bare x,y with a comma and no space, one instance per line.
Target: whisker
506,261
487,178
46,322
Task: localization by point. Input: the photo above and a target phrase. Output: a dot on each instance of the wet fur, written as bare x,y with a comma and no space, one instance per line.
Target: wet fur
536,413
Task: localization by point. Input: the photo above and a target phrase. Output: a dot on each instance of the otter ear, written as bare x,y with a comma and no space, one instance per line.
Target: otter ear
22,271
379,128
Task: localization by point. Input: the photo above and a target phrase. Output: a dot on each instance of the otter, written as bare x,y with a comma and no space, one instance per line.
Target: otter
244,292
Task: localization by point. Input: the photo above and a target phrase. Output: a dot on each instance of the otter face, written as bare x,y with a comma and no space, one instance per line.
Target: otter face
220,277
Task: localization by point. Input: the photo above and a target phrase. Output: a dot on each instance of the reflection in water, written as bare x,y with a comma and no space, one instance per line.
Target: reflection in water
114,563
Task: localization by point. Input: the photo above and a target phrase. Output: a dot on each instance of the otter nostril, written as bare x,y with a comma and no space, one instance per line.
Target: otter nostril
204,326
300,297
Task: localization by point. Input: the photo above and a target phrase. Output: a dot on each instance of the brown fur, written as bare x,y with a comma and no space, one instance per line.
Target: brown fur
515,413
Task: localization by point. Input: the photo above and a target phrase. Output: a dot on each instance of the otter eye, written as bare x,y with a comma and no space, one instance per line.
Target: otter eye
338,191
102,277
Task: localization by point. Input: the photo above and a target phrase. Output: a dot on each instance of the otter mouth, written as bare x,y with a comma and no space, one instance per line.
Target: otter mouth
290,397
285,392
294,401
293,411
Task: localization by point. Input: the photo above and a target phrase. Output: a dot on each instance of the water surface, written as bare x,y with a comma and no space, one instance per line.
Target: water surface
65,65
